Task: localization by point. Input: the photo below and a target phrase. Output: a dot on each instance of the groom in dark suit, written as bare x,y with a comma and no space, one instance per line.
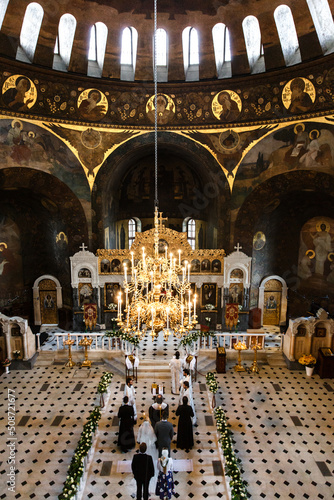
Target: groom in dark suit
143,469
164,431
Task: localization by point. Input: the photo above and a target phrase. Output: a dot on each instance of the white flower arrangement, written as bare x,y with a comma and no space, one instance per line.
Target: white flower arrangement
209,307
112,307
104,382
123,336
211,382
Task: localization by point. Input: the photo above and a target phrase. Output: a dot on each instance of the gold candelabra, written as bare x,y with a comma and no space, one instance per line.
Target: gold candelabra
158,294
239,346
69,342
255,367
86,342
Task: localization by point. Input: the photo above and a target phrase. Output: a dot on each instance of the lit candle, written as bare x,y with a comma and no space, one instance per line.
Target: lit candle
125,273
132,263
143,256
138,318
195,297
179,257
189,308
126,297
167,311
182,309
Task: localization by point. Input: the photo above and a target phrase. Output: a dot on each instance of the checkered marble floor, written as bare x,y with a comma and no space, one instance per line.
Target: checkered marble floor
282,423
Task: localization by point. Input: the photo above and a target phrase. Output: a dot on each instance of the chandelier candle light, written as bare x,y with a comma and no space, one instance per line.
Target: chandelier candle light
157,291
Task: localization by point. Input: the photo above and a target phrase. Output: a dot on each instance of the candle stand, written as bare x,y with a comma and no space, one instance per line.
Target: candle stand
86,342
70,363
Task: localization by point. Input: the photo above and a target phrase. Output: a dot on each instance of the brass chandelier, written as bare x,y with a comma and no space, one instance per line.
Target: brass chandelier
158,296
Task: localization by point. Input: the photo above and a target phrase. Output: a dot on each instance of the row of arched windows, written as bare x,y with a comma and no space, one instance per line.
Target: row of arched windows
189,225
32,22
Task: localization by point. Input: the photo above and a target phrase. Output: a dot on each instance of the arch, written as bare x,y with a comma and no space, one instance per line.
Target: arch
131,231
64,42
287,34
31,26
190,54
222,50
36,296
323,23
97,49
129,53
284,301
254,48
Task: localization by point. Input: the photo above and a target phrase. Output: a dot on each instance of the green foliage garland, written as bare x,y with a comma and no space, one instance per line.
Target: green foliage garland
104,382
123,336
194,336
211,382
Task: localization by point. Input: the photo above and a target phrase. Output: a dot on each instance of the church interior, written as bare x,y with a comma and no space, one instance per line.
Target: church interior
204,128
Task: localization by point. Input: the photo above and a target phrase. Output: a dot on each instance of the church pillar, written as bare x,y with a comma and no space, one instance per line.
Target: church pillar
10,33
273,54
175,55
239,62
207,63
308,43
37,306
7,337
25,344
144,63
245,304
112,58
80,48
44,52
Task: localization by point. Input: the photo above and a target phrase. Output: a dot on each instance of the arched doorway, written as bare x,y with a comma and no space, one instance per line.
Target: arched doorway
273,301
47,300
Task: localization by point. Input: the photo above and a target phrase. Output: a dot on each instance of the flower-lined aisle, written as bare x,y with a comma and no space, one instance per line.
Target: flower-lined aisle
232,468
75,476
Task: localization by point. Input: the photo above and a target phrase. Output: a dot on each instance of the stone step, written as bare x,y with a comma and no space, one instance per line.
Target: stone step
276,359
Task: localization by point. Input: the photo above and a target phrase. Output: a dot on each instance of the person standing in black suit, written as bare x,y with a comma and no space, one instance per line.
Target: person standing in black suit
185,437
143,470
164,431
126,437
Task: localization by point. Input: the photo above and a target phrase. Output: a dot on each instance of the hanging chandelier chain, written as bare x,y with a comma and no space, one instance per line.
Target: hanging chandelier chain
156,201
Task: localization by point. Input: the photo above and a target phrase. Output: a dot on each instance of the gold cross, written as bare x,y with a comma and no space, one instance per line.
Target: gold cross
161,219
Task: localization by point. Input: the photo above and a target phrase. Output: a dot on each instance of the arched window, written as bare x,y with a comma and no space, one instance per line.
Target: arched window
131,231
190,54
3,8
252,34
97,49
287,34
64,42
29,32
323,23
221,45
191,233
161,55
129,53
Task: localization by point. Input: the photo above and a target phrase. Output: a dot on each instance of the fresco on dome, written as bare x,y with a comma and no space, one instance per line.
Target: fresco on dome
92,105
316,252
302,146
298,95
23,144
19,93
226,106
165,109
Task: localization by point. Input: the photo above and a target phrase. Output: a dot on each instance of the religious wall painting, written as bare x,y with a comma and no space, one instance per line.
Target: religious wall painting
259,240
235,293
116,266
216,266
320,331
205,266
229,140
226,106
84,273
298,95
85,293
61,240
11,272
272,302
48,302
92,105
105,266
19,93
301,331
237,274
195,266
165,109
111,290
316,252
209,296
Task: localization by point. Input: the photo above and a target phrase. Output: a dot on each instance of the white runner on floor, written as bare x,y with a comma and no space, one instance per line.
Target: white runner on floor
179,465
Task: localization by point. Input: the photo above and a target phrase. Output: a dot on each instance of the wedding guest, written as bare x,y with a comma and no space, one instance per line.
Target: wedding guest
156,409
186,377
143,470
185,439
164,431
130,392
126,437
186,391
175,366
165,484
